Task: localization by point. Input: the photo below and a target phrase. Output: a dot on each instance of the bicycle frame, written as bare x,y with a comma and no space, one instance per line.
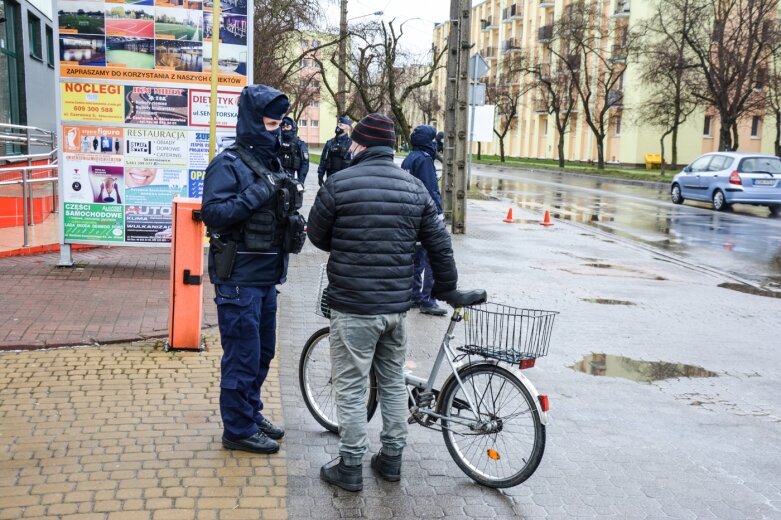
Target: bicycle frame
427,385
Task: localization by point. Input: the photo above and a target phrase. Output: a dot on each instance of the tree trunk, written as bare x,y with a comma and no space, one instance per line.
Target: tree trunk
479,150
778,133
501,148
735,136
600,152
674,155
725,136
661,164
561,149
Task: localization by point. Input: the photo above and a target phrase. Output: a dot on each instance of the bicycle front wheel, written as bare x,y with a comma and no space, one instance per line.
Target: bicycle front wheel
501,443
314,377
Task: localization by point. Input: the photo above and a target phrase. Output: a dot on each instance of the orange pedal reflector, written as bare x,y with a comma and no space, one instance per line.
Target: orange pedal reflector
526,363
544,402
493,454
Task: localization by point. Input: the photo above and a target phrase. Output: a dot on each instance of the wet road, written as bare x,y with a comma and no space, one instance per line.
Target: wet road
744,242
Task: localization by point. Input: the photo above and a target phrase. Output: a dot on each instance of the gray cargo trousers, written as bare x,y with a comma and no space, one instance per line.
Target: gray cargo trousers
357,343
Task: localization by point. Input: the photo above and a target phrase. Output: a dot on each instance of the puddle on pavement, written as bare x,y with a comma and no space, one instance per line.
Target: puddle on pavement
636,370
599,266
750,290
603,301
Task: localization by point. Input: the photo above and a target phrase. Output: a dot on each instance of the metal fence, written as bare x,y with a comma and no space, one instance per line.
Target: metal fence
21,147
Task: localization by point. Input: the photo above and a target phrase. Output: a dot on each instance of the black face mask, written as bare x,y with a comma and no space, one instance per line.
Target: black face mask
339,130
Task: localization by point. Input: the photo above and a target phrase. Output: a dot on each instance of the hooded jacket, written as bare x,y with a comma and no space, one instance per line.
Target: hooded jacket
420,162
302,150
232,192
369,218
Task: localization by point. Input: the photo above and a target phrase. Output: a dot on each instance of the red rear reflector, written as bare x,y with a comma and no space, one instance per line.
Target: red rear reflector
734,178
526,363
544,403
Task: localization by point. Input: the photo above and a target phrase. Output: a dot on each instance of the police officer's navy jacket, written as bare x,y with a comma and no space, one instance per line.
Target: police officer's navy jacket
302,150
232,192
420,162
369,218
333,146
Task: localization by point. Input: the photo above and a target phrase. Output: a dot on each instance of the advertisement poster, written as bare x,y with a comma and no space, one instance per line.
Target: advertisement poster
155,147
94,222
135,106
92,102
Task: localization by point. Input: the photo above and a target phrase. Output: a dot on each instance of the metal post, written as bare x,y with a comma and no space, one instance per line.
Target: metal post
26,242
459,179
448,168
30,220
215,79
340,86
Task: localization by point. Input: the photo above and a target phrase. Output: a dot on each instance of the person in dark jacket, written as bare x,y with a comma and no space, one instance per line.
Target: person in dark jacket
244,282
369,218
293,152
420,163
440,141
336,152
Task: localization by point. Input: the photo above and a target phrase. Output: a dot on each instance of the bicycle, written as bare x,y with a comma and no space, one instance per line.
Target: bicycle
467,409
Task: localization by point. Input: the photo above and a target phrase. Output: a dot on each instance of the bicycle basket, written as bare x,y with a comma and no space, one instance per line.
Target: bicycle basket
321,305
506,333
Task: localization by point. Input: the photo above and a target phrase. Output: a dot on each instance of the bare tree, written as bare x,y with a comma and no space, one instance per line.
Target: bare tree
594,49
667,73
506,99
304,93
427,101
774,98
380,75
731,42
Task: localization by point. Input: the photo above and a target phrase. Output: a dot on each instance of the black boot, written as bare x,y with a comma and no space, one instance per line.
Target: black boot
273,431
342,475
388,466
258,443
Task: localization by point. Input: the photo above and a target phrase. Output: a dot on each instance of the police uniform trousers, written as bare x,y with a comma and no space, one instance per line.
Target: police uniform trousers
247,319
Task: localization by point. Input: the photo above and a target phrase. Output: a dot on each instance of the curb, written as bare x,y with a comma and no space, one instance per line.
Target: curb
42,249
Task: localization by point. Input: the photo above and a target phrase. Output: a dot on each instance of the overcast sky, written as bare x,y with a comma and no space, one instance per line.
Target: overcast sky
417,32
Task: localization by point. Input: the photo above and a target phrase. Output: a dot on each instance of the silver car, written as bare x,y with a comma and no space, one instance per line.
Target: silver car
726,178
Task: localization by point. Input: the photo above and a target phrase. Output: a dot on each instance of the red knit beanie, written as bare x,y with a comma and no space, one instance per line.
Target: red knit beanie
375,130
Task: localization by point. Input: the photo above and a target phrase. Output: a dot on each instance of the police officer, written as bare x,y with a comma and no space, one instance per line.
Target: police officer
336,152
293,152
241,200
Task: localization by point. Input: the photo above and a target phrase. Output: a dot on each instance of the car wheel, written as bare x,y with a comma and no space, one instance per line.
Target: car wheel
775,210
675,194
719,202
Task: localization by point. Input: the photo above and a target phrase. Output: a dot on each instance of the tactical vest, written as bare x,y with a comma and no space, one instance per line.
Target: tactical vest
276,224
289,155
338,157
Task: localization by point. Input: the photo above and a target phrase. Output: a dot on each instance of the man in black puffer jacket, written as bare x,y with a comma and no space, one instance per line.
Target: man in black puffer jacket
369,218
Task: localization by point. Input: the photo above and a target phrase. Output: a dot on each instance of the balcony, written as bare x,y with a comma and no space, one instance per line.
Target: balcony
489,53
622,8
511,45
547,3
544,71
545,33
615,98
487,23
511,13
619,53
540,106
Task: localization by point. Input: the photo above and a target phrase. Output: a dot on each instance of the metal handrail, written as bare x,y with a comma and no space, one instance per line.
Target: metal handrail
29,136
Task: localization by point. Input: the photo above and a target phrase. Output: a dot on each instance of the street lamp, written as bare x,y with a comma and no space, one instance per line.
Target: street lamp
376,13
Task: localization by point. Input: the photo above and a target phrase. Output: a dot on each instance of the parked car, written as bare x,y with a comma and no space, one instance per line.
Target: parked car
726,178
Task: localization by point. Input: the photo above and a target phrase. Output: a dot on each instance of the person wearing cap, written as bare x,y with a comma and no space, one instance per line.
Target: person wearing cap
336,152
420,164
293,152
245,282
369,218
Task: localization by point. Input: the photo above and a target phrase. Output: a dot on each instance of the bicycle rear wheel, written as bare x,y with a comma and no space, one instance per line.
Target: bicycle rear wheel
502,444
314,377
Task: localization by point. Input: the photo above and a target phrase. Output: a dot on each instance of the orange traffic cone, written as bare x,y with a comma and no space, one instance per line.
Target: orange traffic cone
509,217
546,220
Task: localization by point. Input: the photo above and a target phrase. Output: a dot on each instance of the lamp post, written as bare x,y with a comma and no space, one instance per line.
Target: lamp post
340,87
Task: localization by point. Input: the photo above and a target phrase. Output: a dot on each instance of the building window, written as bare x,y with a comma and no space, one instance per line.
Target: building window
756,124
315,104
302,123
9,71
50,46
315,123
706,131
618,126
34,29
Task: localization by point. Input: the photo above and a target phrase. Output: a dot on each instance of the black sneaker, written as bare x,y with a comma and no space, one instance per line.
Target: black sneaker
273,432
434,310
388,466
340,474
415,304
258,443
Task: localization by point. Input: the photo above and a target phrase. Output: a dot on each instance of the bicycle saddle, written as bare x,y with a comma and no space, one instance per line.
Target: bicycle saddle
459,298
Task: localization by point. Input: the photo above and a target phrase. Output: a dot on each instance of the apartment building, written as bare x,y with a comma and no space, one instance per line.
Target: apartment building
27,63
317,122
502,28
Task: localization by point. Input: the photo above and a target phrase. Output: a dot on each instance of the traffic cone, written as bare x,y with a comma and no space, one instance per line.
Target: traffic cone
546,220
509,217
